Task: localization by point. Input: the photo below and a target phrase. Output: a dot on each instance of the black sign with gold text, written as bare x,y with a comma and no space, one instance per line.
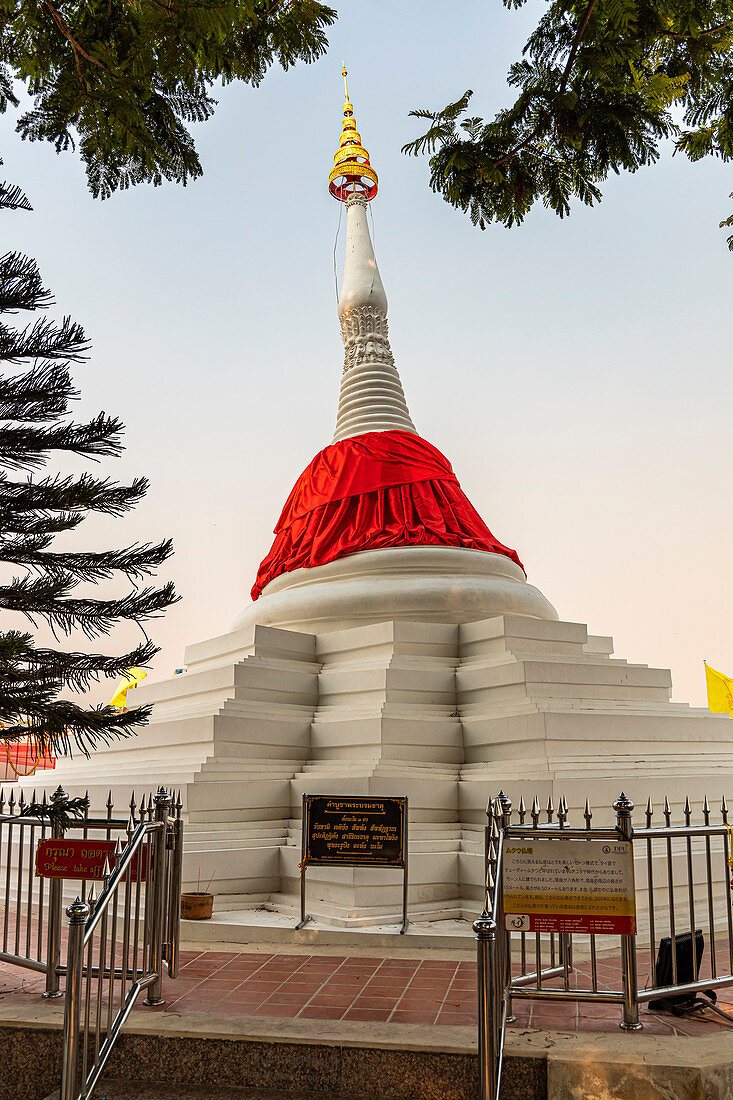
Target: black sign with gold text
354,831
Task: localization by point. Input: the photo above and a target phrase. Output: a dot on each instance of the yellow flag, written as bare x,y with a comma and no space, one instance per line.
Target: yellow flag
720,691
130,679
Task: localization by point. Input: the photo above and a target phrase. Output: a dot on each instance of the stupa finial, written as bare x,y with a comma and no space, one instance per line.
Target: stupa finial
352,173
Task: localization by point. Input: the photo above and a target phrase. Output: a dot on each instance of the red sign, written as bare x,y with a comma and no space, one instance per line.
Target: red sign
77,859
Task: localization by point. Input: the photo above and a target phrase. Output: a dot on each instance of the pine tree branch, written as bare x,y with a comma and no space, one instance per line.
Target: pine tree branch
24,668
44,339
133,562
48,598
68,495
20,284
28,448
11,196
42,393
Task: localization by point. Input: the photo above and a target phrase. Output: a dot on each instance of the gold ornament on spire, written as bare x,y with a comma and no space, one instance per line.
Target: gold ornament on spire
352,174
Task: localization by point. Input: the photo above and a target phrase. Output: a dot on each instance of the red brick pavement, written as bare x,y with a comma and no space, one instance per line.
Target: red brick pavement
345,987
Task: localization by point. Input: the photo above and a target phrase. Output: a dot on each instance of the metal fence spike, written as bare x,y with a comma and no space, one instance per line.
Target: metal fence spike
724,810
21,800
706,805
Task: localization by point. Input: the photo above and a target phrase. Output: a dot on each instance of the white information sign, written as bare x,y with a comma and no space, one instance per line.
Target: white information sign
569,886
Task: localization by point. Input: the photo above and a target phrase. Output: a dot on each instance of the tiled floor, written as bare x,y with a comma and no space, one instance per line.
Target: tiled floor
393,990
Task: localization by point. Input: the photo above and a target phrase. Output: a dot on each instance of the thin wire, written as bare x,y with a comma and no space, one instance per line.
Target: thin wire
335,245
374,248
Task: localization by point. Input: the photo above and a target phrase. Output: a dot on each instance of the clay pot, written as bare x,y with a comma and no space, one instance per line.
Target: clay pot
197,905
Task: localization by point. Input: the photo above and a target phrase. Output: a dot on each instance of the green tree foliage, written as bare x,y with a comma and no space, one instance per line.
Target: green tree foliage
601,84
124,79
39,583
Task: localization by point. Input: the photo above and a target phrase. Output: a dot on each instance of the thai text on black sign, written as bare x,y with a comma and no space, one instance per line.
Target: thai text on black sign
354,831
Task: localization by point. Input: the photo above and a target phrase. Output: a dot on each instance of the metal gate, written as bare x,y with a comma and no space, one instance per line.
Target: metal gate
683,888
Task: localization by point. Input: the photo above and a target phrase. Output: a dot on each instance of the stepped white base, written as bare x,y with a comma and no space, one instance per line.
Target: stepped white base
443,713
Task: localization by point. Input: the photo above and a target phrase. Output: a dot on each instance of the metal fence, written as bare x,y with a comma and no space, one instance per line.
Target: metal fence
31,907
683,892
116,944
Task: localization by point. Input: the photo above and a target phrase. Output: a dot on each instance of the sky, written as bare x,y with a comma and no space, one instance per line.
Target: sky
576,372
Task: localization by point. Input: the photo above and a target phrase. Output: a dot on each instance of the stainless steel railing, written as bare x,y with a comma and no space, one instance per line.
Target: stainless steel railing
684,887
118,945
31,908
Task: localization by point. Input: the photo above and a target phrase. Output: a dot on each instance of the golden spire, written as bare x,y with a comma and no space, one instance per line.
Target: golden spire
352,174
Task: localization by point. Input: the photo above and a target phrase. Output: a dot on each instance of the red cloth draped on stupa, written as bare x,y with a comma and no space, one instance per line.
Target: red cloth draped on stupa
368,492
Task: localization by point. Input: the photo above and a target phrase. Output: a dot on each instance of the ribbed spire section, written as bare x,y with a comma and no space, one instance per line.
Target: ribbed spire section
371,398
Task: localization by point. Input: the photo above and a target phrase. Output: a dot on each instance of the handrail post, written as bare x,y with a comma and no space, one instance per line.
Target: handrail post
55,904
157,909
488,1004
624,808
174,896
77,913
504,951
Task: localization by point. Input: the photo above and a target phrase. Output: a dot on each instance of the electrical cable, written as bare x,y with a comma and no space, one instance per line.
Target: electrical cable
714,1008
335,245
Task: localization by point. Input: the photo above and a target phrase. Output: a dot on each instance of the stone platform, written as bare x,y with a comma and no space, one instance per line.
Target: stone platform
445,713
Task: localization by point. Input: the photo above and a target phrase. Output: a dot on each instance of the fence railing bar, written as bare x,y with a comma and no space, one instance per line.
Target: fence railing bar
711,902
19,885
29,887
130,974
21,960
568,832
661,832
603,996
87,1003
690,879
112,959
102,966
125,960
41,895
670,890
55,904
530,979
649,813
8,872
688,987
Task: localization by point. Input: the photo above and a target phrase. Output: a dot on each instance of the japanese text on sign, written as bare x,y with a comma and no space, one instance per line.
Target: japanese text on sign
569,886
354,831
